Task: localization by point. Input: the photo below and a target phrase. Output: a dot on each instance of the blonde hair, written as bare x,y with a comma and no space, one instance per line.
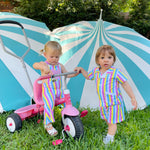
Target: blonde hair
52,46
102,50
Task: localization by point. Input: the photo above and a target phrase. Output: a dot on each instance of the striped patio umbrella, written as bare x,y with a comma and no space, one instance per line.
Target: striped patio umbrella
80,42
16,71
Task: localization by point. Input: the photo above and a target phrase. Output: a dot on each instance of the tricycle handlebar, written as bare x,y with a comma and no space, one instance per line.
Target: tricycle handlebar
64,74
56,75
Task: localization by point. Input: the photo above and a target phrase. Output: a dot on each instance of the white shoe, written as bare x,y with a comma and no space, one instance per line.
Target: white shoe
108,140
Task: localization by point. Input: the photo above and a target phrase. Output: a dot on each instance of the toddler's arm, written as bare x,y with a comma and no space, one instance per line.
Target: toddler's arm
129,91
81,70
63,69
43,67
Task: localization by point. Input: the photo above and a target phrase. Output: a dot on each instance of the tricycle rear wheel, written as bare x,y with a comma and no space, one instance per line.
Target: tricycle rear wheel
13,122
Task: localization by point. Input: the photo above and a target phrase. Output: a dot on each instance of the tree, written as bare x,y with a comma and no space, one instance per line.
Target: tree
139,17
57,13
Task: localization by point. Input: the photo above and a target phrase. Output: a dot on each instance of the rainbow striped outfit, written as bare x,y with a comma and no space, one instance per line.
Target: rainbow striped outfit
110,98
50,91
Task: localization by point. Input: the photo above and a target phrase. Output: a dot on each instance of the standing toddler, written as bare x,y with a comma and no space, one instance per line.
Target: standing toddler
107,79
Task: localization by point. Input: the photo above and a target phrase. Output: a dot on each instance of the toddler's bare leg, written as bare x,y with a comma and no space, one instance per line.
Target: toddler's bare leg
112,128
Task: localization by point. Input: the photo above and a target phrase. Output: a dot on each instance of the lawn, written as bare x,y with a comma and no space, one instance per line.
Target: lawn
133,134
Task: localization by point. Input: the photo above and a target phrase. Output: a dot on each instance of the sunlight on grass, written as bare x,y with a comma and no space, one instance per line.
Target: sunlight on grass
133,133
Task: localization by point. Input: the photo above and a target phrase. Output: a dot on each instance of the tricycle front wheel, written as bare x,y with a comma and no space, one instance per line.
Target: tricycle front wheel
75,126
13,122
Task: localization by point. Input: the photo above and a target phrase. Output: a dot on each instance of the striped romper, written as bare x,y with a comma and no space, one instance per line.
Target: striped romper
110,98
50,91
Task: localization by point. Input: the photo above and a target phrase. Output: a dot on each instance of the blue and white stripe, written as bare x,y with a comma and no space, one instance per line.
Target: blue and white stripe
16,91
80,42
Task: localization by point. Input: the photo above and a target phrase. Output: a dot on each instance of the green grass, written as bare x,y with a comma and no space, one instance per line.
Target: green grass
133,134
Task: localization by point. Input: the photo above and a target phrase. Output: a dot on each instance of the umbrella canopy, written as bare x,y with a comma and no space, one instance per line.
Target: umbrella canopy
80,42
17,73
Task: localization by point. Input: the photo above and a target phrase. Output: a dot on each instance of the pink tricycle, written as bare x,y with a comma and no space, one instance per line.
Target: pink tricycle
71,122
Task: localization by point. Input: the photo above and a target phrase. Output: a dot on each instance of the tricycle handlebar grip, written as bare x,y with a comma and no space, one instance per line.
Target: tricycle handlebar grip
12,22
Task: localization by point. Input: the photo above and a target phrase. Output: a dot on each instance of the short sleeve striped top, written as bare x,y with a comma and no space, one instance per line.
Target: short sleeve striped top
107,85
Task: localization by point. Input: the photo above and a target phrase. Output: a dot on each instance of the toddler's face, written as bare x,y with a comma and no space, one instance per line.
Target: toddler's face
105,60
52,58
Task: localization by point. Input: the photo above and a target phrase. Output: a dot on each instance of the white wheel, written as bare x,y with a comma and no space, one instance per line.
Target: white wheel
72,130
13,122
10,124
75,126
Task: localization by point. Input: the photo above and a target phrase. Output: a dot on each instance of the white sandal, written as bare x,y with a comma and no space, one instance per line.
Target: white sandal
51,130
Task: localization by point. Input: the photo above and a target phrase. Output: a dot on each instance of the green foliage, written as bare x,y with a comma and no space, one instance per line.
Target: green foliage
63,12
34,9
57,13
140,16
133,133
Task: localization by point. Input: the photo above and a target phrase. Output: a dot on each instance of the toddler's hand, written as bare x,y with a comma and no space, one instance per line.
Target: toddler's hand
78,69
46,69
134,103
